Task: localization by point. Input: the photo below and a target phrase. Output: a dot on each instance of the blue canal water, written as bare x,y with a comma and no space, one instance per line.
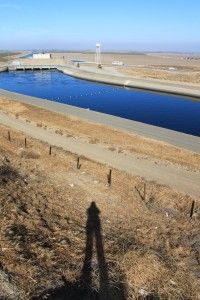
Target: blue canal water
173,112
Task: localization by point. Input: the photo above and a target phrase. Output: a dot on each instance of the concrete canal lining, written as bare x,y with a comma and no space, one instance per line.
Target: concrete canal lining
175,138
182,89
92,73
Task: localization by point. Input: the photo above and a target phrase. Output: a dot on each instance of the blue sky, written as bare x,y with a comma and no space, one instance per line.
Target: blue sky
151,25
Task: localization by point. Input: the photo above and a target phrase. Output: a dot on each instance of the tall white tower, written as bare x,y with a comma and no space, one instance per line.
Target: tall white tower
98,54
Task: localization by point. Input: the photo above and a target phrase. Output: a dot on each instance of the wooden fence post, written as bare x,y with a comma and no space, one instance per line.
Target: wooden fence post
192,209
25,143
50,150
9,138
109,177
78,165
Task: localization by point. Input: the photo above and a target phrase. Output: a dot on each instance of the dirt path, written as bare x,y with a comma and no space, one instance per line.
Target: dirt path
173,176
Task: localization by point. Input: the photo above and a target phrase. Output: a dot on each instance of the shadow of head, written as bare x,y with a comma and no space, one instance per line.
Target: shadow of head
93,210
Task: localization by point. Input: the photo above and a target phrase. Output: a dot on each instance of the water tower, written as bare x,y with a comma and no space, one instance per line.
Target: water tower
98,55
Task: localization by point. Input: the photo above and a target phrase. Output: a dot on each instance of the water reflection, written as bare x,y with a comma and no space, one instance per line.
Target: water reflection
42,76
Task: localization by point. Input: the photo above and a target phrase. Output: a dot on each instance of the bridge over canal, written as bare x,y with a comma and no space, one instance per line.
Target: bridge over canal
32,67
35,64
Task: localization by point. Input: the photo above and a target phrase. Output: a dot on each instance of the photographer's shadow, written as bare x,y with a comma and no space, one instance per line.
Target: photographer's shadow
82,288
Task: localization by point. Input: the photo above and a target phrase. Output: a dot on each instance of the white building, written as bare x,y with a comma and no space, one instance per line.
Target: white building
42,56
117,63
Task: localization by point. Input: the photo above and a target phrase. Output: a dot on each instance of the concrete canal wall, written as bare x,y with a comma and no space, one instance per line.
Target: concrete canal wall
102,76
139,83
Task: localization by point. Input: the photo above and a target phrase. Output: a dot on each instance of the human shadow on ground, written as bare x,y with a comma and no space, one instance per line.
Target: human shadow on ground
82,288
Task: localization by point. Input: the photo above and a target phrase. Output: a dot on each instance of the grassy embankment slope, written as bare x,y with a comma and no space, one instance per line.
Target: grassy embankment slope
145,244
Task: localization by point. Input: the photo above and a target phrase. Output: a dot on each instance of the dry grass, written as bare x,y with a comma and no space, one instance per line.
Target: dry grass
191,75
157,60
150,245
102,135
5,56
186,68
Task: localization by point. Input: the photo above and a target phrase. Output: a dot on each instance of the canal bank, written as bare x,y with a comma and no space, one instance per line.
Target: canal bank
92,73
158,109
175,138
3,69
98,75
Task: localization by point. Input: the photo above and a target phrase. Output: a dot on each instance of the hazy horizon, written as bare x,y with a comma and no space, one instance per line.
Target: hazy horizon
103,51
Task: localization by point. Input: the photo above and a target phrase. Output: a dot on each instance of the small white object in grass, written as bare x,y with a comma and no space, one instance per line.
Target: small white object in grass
143,292
96,182
4,249
172,282
72,185
83,173
167,215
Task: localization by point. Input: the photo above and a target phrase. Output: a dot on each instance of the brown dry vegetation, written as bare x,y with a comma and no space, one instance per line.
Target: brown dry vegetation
187,75
145,248
154,66
5,56
102,135
136,59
